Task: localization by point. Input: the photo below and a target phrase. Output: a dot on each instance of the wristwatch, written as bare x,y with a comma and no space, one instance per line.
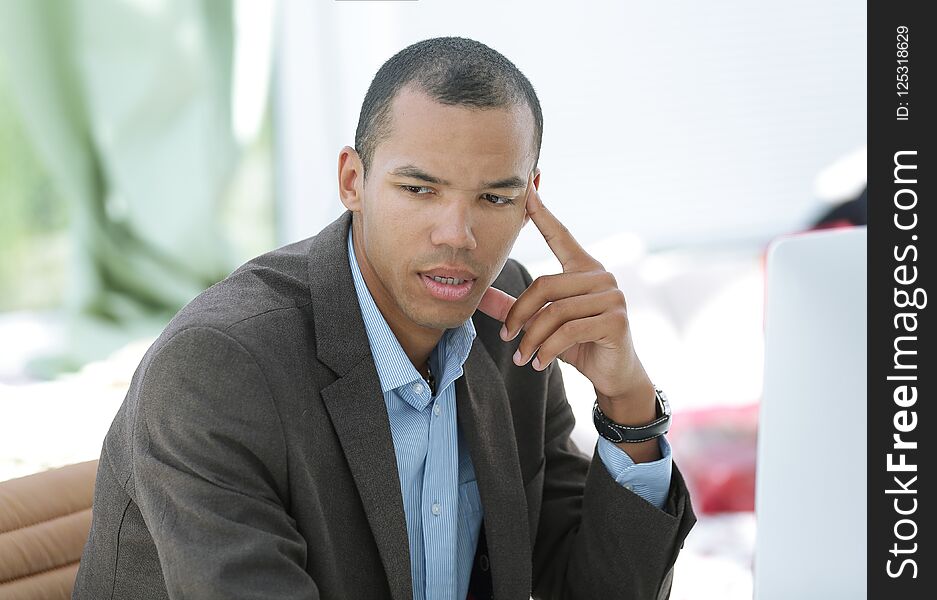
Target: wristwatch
615,432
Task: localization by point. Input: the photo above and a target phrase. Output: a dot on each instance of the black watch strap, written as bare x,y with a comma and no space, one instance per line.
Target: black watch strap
617,433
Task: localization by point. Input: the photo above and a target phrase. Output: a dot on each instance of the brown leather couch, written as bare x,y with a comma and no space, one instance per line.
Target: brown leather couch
44,523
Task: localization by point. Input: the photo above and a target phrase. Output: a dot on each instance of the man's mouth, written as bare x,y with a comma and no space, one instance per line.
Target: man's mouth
448,284
448,280
450,273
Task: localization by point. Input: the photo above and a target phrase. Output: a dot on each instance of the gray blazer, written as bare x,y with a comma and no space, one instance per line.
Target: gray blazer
253,458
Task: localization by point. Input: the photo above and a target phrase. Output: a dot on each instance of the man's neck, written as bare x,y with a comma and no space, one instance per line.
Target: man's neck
417,346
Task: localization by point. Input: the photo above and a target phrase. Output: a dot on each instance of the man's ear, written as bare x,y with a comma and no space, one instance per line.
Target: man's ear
350,178
536,186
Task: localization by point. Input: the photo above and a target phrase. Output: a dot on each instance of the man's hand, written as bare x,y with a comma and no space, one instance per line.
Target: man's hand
581,317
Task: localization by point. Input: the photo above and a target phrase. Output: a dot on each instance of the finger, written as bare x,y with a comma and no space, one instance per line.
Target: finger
589,329
564,246
496,304
550,288
553,317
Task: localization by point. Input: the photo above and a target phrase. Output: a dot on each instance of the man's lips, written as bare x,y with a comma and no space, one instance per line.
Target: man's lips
450,273
443,290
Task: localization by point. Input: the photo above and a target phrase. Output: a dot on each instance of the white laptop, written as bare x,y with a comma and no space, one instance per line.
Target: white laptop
810,491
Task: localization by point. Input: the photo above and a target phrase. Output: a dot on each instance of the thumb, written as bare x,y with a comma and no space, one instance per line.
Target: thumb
496,303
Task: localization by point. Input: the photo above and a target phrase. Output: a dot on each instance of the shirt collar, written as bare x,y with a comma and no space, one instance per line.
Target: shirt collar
394,368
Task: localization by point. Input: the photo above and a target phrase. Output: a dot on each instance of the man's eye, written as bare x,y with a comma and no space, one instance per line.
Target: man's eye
420,190
414,189
499,199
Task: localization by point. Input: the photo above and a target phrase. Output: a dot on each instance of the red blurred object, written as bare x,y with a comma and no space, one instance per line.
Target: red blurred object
716,449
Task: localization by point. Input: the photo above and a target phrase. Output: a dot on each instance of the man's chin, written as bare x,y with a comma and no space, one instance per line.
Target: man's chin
449,318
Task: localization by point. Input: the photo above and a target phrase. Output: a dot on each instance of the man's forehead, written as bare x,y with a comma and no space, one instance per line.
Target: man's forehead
457,146
412,101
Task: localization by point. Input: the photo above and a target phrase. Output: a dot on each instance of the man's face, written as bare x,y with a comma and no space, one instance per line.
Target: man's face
442,207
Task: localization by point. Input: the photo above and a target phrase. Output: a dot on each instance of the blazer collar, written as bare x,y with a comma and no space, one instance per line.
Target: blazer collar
341,340
356,406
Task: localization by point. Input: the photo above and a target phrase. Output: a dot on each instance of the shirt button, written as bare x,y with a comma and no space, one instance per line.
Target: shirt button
437,410
483,562
418,388
437,509
629,487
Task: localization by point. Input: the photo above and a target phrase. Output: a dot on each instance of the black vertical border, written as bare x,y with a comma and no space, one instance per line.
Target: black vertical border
890,247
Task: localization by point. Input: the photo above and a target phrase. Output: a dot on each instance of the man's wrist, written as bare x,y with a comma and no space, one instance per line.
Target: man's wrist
635,427
635,408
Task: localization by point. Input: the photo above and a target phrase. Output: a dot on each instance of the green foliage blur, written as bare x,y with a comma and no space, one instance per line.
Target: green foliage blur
34,241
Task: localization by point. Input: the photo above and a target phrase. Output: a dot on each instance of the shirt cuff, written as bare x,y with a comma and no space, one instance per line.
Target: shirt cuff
650,480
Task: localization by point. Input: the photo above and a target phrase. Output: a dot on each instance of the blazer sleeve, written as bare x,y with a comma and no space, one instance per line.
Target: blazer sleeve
596,538
209,473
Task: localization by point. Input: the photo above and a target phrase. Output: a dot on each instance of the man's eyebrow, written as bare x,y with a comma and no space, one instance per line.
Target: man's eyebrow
414,172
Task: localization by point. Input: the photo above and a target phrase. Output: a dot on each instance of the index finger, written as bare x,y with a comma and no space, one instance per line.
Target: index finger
558,237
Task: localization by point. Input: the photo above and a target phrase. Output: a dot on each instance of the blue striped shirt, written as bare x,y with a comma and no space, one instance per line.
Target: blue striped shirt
437,479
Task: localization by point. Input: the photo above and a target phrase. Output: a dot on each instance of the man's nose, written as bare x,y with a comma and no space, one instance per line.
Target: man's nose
453,226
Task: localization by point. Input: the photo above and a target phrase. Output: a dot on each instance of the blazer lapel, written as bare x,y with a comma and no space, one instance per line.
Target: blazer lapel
484,414
358,412
355,402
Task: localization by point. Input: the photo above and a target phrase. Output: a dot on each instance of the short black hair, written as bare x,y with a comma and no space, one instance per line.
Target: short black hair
452,70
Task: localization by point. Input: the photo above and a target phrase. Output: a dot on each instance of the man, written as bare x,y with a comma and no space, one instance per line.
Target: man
359,415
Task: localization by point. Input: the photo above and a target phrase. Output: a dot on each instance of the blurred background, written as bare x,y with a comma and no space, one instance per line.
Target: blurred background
149,147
